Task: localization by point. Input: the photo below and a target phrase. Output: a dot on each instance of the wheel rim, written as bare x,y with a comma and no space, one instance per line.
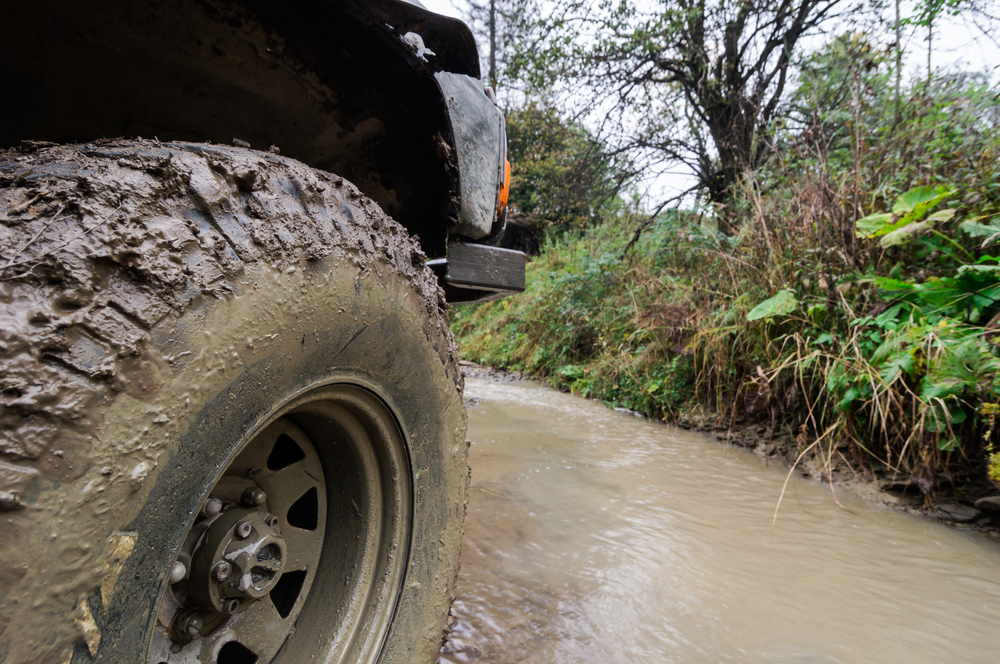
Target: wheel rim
300,546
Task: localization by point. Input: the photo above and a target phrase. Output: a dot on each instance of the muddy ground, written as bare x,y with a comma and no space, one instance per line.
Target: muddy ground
974,508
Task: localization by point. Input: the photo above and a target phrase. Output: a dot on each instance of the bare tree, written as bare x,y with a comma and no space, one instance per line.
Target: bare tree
692,81
499,24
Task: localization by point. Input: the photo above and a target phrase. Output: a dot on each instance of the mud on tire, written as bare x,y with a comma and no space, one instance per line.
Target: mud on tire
163,309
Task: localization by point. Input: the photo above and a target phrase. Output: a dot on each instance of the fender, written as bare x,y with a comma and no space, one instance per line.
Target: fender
342,86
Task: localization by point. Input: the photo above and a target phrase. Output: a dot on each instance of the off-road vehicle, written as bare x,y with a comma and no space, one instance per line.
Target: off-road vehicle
231,419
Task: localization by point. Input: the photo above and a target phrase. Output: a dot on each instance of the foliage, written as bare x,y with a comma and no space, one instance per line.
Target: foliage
927,11
590,322
499,25
835,82
907,216
993,470
560,175
694,82
781,304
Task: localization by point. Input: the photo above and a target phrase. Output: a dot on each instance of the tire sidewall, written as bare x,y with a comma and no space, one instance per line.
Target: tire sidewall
238,362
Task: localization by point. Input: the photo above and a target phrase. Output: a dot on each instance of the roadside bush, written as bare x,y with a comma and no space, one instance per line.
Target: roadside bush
591,321
561,177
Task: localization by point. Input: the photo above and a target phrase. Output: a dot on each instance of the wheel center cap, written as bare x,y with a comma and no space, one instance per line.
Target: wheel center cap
239,560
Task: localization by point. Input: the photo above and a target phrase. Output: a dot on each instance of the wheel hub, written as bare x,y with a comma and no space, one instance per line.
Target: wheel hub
273,556
239,561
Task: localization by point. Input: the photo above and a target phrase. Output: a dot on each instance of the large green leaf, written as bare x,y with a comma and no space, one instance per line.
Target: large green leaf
976,229
780,305
904,230
900,225
941,215
903,233
981,269
897,364
874,225
850,396
894,286
918,200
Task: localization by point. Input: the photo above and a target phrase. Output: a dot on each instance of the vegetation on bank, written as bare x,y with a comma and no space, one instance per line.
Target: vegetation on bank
853,306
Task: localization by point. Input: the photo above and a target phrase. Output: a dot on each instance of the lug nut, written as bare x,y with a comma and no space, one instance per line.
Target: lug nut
243,530
221,571
212,507
253,497
178,572
194,624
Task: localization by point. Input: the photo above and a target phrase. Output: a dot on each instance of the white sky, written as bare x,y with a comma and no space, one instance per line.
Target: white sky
956,46
441,7
955,43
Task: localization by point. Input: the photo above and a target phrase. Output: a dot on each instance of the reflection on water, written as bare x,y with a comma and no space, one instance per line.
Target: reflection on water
594,537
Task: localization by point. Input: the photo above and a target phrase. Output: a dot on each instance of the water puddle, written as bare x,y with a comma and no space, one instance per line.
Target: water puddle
595,537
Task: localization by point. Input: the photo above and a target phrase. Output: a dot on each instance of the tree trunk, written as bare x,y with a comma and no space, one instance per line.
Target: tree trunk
493,44
899,63
930,42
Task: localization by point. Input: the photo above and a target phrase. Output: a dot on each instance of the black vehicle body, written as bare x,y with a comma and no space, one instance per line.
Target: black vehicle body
382,92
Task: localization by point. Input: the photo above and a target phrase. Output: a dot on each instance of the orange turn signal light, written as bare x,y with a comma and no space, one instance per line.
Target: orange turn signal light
504,188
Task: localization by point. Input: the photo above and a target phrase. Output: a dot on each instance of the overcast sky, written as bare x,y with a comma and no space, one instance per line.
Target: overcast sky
955,44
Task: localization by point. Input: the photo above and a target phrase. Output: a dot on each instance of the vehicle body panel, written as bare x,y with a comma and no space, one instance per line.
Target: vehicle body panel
337,85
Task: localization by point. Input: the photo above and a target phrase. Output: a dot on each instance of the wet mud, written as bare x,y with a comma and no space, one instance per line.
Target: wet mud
596,536
970,507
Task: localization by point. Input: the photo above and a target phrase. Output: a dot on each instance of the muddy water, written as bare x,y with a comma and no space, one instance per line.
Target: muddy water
595,537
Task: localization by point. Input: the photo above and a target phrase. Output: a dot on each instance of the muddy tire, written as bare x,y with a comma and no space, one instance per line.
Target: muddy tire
193,341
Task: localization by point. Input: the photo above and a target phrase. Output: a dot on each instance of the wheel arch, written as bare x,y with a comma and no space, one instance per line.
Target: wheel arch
329,83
